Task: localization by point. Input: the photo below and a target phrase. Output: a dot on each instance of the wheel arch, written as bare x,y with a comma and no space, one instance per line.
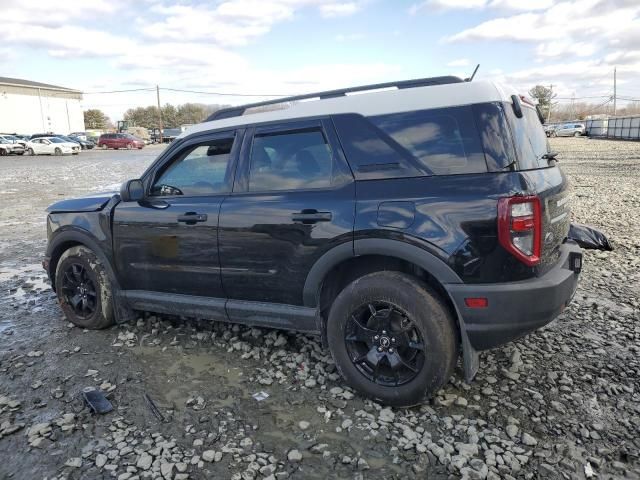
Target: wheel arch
67,239
341,265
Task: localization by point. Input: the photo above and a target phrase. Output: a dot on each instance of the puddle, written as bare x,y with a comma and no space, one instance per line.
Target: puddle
9,272
181,376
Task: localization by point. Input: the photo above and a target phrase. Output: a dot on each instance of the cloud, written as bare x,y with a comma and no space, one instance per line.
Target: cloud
330,10
461,62
349,37
441,5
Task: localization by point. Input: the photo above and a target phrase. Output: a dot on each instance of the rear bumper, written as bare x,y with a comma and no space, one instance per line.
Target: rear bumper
517,308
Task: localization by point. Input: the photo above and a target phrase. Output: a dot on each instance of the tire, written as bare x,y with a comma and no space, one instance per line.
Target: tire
3,152
81,279
104,146
57,151
30,152
129,146
577,134
426,321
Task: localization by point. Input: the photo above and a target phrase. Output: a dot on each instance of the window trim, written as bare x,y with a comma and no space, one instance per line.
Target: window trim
339,176
172,155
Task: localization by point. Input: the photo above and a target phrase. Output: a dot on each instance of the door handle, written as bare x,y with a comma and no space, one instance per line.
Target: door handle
311,215
191,218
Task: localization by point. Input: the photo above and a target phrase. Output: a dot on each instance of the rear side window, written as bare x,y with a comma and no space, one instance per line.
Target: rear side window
495,136
529,138
290,160
445,141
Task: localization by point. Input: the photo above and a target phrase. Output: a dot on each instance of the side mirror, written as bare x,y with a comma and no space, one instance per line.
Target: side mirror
132,191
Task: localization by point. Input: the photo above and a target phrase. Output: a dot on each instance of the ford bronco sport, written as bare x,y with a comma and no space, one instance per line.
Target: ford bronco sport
409,225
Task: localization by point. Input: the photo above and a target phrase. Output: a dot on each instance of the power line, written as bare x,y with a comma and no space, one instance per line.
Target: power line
121,91
226,94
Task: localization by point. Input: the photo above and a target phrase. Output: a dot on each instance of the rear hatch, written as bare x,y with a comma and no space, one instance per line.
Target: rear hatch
544,179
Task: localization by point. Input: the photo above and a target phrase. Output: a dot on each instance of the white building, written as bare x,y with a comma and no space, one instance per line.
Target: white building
28,107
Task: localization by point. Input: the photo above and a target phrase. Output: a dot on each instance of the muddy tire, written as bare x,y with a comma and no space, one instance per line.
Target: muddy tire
84,289
392,338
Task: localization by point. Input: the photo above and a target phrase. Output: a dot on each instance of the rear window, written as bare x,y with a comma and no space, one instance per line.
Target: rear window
531,143
444,140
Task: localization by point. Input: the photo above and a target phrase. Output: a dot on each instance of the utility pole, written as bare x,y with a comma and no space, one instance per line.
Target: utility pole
159,111
550,102
614,91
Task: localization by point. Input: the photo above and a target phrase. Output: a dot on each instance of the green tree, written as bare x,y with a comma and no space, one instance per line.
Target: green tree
544,96
191,113
95,118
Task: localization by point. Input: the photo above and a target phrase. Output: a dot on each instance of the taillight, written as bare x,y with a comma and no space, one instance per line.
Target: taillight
520,228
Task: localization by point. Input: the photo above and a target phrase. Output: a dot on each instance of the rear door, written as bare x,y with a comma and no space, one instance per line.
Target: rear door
293,201
168,242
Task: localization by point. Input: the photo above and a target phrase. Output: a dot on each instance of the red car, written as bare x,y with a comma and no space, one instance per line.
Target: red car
119,140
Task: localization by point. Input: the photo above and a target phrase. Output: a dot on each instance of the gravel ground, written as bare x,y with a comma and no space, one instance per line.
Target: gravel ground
563,402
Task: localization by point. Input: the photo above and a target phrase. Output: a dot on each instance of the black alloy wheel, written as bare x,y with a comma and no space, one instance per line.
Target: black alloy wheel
79,290
384,344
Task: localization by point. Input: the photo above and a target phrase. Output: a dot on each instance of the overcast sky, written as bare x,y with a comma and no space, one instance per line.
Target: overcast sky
293,46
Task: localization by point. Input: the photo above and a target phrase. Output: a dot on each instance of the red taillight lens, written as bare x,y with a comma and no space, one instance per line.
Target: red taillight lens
520,228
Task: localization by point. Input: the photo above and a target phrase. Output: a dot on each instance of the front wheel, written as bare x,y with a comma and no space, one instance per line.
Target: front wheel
83,289
392,338
577,134
104,146
31,152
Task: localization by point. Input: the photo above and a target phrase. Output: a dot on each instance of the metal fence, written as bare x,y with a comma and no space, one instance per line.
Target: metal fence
623,128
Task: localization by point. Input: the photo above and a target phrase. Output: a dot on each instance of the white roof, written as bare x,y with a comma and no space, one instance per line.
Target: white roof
374,103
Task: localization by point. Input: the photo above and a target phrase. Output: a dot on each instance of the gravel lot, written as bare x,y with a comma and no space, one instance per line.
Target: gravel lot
563,402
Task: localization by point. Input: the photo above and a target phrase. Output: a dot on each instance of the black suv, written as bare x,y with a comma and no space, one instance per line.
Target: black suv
408,226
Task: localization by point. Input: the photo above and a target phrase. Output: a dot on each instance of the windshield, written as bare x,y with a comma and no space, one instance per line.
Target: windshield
530,140
56,140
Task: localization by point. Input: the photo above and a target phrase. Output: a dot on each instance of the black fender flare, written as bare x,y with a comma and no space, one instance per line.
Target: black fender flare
374,246
80,236
84,237
426,260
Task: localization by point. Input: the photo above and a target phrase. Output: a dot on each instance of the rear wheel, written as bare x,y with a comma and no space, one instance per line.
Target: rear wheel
577,134
3,152
392,338
57,151
84,289
31,152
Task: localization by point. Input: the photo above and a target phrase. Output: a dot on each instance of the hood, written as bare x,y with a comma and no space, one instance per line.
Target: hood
89,203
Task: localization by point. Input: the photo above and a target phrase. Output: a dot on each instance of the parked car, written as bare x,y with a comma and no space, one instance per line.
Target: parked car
571,130
51,146
80,135
13,145
84,144
398,225
550,130
119,140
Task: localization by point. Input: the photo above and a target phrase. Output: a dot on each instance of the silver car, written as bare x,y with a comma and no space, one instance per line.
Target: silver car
571,130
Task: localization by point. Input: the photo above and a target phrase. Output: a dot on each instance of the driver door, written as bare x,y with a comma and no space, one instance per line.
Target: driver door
168,242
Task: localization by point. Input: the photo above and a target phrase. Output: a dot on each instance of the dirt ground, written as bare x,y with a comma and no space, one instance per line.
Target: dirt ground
563,402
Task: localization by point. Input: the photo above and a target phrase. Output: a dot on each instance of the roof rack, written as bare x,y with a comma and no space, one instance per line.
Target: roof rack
418,82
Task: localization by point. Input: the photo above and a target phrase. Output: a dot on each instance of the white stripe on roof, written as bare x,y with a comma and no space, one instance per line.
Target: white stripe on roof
373,103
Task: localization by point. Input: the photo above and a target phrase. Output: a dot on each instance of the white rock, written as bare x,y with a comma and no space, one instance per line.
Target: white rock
294,456
208,455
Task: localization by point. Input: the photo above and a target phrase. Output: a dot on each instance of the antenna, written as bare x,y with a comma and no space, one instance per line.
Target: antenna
473,74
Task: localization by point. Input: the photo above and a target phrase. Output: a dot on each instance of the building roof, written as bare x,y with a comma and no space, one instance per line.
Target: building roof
373,103
18,82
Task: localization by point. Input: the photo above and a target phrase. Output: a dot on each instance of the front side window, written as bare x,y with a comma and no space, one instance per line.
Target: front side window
290,160
203,169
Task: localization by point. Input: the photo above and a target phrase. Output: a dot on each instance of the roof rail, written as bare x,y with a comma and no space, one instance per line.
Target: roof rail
418,82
